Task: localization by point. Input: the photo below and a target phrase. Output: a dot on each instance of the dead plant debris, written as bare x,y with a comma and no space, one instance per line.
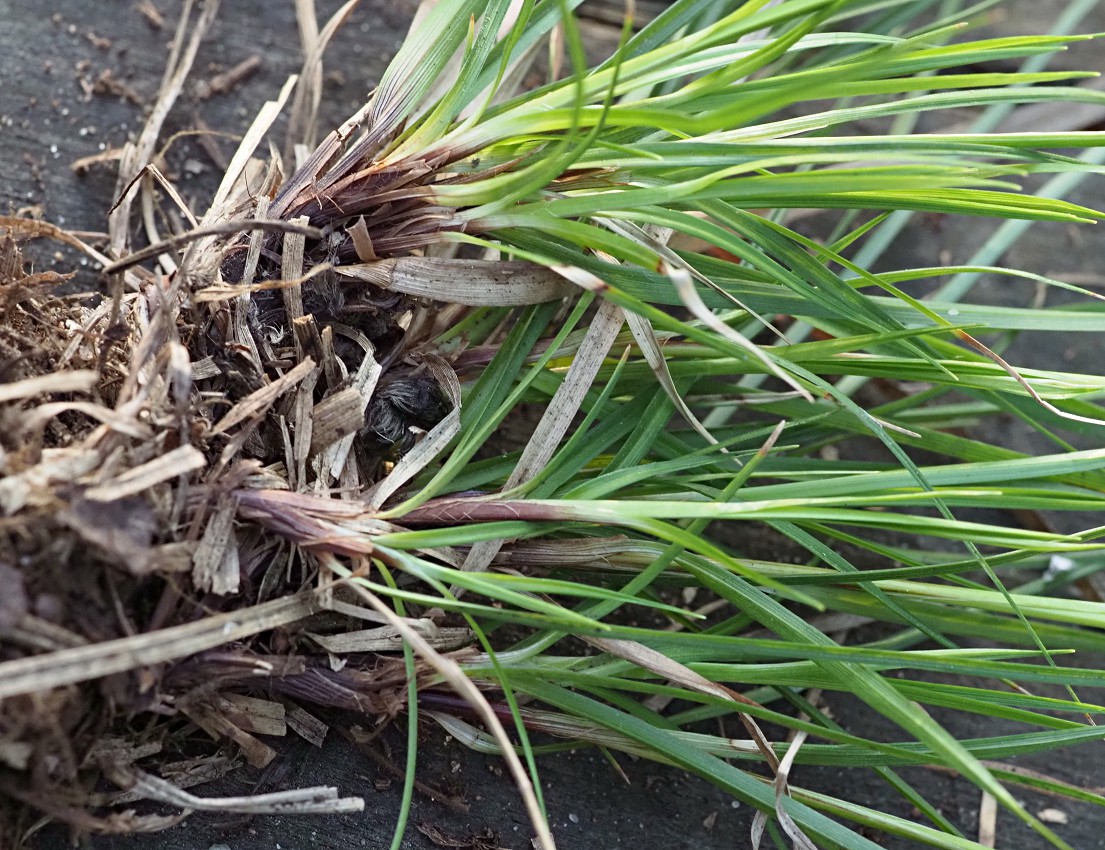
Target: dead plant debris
172,458
140,599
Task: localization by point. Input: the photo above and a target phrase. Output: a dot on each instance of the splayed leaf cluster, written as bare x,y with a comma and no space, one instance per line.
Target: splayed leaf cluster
263,481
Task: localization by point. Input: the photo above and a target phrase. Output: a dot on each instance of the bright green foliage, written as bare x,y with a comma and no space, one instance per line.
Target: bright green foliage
711,123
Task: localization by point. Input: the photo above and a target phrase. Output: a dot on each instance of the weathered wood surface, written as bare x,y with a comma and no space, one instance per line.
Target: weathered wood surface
57,107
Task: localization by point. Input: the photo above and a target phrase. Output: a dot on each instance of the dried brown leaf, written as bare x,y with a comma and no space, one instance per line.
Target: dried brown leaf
84,663
305,724
303,801
80,381
258,402
335,417
178,462
215,565
472,282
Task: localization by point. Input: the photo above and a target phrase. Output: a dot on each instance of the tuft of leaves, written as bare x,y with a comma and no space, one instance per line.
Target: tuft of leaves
752,437
733,352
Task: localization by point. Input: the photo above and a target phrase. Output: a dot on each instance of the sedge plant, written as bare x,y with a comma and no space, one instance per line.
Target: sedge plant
622,247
